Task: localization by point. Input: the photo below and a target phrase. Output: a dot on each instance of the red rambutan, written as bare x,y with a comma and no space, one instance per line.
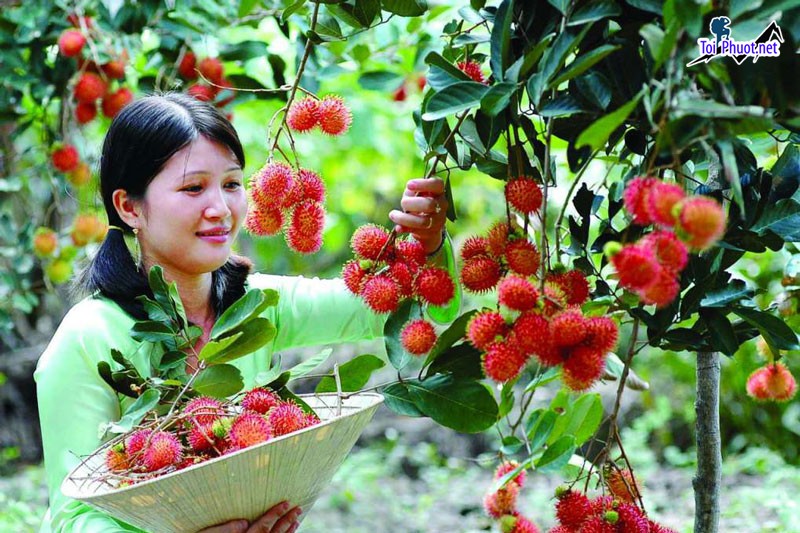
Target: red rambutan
65,158
522,257
662,199
260,400
480,274
116,460
334,116
434,285
286,418
368,241
353,276
381,293
248,429
474,247
503,361
601,333
263,220
162,449
636,267
85,112
303,114
524,195
203,410
568,328
187,66
484,328
631,519
574,285
70,43
304,234
773,382
517,293
502,502
204,93
411,251
211,69
572,509
670,252
662,291
473,70
532,333
637,199
90,88
271,183
404,276
114,102
497,238
701,222
418,337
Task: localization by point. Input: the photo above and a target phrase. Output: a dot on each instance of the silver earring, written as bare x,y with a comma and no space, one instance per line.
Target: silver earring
137,252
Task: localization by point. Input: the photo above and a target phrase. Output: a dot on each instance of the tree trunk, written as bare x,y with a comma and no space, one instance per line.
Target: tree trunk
708,479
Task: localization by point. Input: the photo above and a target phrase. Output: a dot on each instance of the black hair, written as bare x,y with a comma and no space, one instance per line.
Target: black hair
141,139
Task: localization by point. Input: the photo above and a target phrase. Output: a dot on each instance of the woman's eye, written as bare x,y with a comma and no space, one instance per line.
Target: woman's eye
192,188
233,185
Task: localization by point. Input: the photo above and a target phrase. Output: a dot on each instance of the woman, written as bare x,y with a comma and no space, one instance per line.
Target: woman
171,174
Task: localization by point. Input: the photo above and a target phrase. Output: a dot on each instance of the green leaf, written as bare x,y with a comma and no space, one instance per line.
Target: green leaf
470,38
245,7
450,336
561,106
498,97
552,60
250,305
731,172
465,406
397,398
730,293
592,11
328,28
506,398
723,337
150,331
212,348
292,9
353,374
469,132
366,11
398,356
501,38
308,365
380,80
596,135
255,333
405,8
454,98
541,423
462,361
136,411
244,50
774,330
218,381
583,63
442,72
557,454
561,5
581,419
783,219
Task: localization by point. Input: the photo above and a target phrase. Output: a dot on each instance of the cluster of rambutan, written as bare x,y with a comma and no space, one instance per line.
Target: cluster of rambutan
651,267
330,114
772,383
94,80
388,270
206,428
502,504
281,198
65,158
576,513
214,87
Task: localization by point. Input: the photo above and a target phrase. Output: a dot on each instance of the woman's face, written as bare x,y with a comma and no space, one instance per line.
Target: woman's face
193,209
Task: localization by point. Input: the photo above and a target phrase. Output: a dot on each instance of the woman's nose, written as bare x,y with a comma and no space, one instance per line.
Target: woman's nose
217,206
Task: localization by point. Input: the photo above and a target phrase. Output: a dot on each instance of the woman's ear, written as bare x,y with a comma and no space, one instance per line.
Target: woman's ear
128,209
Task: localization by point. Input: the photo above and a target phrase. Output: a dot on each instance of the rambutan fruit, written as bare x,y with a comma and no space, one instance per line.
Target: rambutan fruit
568,328
187,66
203,410
85,112
474,246
555,299
583,367
636,266
45,242
497,238
90,88
670,252
80,175
65,158
70,43
116,460
311,185
532,333
260,400
248,429
201,92
114,69
136,441
601,333
658,528
502,502
662,291
522,257
572,509
517,293
503,361
631,519
270,184
334,116
434,285
285,418
701,222
163,449
637,199
353,276
480,274
418,337
518,524
368,241
404,276
484,329
304,234
303,115
574,285
662,199
381,293
211,69
473,70
773,382
411,251
509,466
114,102
597,524
621,485
601,504
263,220
524,195
201,438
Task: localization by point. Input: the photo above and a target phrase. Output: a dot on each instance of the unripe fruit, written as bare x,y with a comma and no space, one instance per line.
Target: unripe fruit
70,43
86,228
80,175
59,271
45,242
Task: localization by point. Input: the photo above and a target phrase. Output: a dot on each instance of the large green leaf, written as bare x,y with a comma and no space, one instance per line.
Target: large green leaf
454,98
213,347
540,424
353,374
581,419
255,333
398,398
783,219
774,330
731,171
136,411
596,135
442,72
450,336
462,361
553,59
498,97
501,38
592,11
730,293
250,305
303,368
405,8
151,331
398,356
465,406
557,454
723,337
218,381
583,63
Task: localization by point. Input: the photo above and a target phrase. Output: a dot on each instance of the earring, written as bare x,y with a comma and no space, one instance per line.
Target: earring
137,252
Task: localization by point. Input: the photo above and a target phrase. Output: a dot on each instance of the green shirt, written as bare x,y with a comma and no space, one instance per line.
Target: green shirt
74,401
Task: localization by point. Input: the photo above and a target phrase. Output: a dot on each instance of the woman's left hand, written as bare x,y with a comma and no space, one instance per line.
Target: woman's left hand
424,212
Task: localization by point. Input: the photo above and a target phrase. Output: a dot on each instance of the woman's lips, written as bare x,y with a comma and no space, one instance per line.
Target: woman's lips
214,236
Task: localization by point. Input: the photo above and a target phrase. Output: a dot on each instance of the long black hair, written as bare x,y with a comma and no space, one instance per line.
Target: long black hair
141,139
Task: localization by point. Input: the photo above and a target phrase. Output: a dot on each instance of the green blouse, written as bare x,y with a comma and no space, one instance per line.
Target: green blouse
74,401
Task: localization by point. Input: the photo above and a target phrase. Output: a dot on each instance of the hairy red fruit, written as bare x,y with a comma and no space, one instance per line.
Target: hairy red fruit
114,69
65,158
574,285
532,332
70,43
204,93
637,199
621,485
201,438
434,285
509,466
631,519
773,382
248,429
521,524
286,418
503,361
263,221
555,299
601,504
187,66
303,115
636,266
211,69
353,276
670,252
116,460
404,276
497,238
304,234
572,509
480,274
502,502
368,241
522,257
662,291
583,367
203,410
85,112
136,441
309,185
484,328
568,328
90,88
260,400
162,450
474,247
418,337
114,102
411,251
701,222
658,528
662,199
473,70
601,333
334,117
517,293
381,294
270,184
597,524
524,195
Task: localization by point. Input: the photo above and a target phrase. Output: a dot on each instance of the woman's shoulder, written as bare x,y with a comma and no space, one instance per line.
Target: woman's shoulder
95,312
